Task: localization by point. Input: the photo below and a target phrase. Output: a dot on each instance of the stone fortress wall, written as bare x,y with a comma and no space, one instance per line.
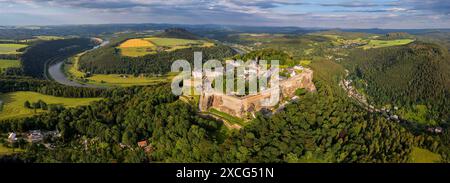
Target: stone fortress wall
242,106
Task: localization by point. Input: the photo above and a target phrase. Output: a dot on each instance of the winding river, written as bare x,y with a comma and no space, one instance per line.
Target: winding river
56,73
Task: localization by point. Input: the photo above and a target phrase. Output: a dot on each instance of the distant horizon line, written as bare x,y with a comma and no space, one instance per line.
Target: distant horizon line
231,25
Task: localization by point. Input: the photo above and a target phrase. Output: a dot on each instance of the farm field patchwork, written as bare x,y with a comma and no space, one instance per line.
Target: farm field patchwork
13,103
151,45
11,48
9,64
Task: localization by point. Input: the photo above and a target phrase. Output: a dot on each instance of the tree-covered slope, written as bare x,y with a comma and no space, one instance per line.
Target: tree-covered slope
34,60
418,73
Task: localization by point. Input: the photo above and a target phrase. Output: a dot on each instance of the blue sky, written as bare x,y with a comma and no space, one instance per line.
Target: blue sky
301,13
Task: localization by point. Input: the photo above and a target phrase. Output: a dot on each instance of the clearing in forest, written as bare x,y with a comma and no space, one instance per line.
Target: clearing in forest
11,48
419,155
386,43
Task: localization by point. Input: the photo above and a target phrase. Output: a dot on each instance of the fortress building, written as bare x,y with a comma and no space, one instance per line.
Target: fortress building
244,106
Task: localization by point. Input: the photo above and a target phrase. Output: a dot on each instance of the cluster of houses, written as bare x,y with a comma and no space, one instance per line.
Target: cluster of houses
33,136
148,148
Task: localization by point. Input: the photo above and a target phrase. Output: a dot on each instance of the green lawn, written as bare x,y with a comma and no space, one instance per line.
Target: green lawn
9,64
227,117
13,103
11,48
386,43
419,155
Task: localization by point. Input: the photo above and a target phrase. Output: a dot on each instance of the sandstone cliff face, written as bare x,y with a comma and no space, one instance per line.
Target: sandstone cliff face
242,106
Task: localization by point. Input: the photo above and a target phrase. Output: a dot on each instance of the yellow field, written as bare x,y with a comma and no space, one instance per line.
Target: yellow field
13,103
419,155
145,46
132,43
11,48
137,47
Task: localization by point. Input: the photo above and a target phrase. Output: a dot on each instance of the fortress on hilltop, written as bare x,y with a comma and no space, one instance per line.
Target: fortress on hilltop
244,106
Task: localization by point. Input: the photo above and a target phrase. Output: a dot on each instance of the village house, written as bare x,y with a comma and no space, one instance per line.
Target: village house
148,148
142,144
35,136
12,137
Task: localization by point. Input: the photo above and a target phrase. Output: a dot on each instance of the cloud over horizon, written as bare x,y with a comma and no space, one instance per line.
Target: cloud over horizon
321,13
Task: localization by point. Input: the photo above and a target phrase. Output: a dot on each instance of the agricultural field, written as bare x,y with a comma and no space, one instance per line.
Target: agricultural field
125,80
151,45
419,155
386,43
137,47
11,48
4,64
13,103
41,38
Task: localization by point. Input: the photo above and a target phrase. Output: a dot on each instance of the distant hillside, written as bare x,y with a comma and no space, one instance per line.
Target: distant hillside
178,33
418,73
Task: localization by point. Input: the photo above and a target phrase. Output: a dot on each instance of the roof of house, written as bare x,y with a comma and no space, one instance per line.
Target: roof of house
142,143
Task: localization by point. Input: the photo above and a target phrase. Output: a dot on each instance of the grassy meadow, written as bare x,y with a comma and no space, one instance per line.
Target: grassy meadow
11,48
126,80
13,103
386,43
4,64
227,117
419,155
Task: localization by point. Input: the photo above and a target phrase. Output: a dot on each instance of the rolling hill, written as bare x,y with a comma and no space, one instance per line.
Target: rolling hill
417,73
